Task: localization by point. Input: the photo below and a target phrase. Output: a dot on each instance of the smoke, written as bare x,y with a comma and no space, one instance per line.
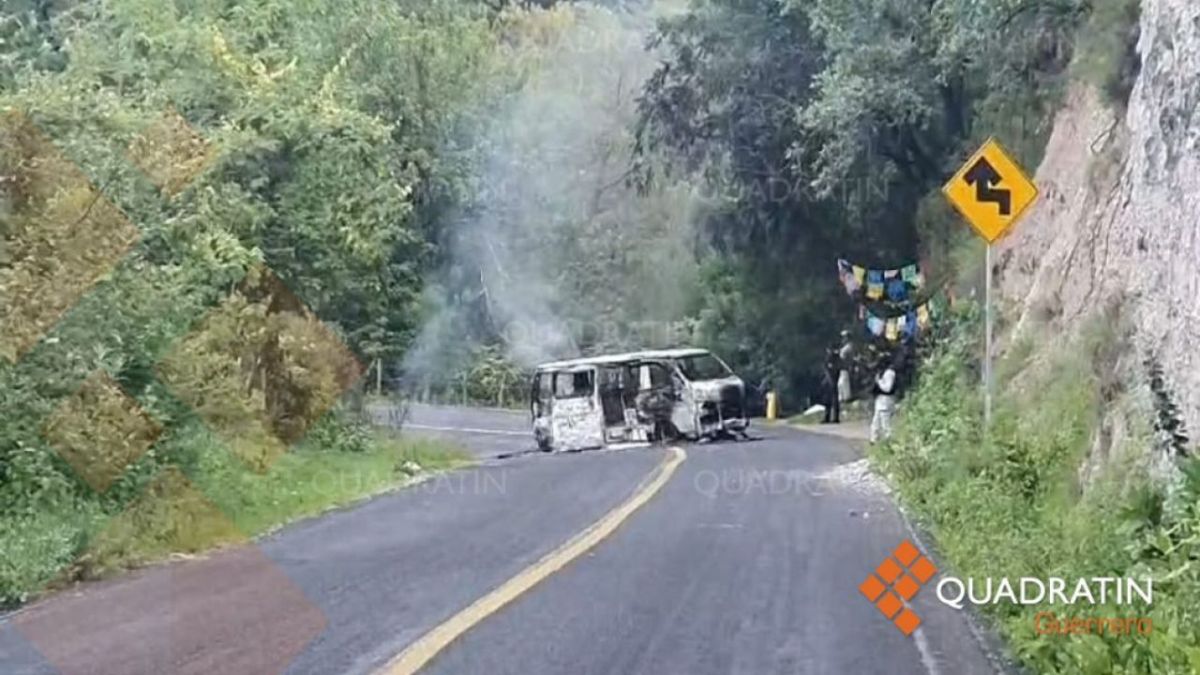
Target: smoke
561,255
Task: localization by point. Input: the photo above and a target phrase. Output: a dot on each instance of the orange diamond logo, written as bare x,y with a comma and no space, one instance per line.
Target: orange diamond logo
888,570
872,588
907,622
900,577
907,587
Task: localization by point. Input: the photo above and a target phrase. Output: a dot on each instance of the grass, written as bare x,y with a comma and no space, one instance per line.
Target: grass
306,483
215,501
1011,503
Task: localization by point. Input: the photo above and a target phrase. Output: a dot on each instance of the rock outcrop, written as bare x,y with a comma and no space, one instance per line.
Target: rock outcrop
1118,222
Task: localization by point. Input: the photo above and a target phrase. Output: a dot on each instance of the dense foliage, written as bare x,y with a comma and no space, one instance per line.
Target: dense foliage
1017,502
825,128
226,210
203,202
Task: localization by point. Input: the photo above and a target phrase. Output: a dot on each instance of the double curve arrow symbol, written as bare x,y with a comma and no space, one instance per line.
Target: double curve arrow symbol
983,176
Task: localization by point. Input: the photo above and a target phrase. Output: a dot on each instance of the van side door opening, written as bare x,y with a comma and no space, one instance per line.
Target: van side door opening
655,399
575,421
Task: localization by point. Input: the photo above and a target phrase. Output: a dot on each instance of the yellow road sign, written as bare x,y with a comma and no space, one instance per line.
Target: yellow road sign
991,191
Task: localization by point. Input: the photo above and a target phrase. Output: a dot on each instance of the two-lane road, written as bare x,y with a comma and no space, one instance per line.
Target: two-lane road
745,560
488,433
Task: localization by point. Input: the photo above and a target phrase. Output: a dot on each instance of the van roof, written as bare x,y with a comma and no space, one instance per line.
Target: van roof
608,359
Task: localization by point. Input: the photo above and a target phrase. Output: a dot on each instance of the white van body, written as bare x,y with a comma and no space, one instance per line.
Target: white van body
637,397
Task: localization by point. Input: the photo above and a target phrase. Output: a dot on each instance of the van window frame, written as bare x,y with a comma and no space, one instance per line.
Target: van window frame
573,373
541,393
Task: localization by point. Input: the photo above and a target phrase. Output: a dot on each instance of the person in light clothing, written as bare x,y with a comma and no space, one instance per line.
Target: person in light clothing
845,355
885,400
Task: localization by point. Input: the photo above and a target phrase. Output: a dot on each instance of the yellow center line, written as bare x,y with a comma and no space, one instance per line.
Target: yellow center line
422,651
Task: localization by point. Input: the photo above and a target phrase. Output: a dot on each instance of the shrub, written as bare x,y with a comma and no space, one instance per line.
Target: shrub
1008,503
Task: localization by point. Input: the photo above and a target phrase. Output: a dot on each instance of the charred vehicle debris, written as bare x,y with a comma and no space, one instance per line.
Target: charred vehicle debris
639,397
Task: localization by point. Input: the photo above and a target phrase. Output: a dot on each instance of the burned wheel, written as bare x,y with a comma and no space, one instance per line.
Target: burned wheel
666,432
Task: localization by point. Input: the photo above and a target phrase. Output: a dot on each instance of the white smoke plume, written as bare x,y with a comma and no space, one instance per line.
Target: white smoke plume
565,255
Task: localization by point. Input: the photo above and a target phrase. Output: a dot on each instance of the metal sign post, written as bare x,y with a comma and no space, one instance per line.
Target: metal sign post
987,346
991,192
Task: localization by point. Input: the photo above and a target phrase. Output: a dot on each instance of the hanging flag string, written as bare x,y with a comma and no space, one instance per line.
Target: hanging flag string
906,326
897,284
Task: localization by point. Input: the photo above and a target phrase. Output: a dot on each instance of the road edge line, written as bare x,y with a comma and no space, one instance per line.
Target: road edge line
420,652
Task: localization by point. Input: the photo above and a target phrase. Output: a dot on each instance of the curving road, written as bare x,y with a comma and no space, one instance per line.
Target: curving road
746,561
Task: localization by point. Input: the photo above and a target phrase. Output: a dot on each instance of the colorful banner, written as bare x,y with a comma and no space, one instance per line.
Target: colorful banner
897,284
906,326
875,325
913,276
874,284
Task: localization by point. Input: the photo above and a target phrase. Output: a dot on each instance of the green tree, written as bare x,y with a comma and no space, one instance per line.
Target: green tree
824,129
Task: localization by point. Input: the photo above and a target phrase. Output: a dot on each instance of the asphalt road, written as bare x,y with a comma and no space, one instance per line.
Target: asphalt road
488,433
747,561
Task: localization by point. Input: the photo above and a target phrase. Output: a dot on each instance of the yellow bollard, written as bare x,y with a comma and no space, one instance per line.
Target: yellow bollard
772,405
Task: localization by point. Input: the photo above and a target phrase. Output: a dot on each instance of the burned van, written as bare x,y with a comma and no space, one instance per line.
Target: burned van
635,398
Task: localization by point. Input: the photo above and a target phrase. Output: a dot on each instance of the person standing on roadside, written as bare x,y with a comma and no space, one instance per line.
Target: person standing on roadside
885,399
829,385
845,356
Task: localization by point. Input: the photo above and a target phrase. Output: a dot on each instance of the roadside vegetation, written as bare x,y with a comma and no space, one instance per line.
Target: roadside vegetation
1038,496
215,216
207,498
1083,472
211,221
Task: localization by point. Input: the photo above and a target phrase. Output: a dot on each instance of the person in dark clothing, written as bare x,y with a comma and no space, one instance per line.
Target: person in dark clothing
829,386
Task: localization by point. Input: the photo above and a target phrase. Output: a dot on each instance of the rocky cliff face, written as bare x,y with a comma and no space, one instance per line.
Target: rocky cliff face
1118,222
